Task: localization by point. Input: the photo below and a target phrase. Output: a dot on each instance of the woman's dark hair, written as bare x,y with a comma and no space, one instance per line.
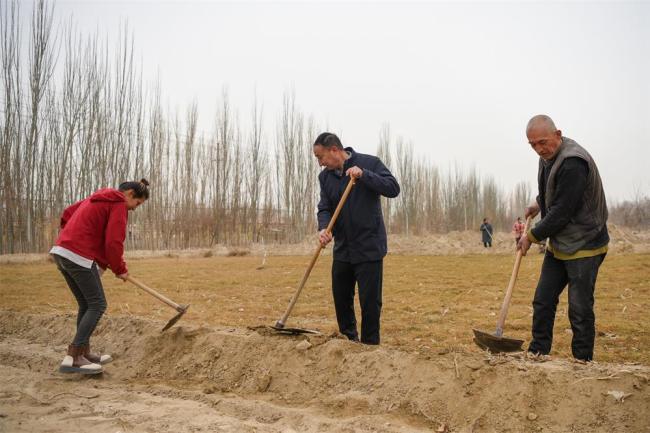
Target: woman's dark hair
327,139
140,189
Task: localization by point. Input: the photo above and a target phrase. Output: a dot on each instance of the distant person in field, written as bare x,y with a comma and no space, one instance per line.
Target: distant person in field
91,240
359,233
574,220
518,230
486,233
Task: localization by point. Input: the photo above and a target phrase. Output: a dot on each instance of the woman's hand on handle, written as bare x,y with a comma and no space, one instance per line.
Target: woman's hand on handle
123,277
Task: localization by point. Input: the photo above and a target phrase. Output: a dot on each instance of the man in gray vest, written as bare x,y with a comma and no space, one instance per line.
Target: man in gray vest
574,222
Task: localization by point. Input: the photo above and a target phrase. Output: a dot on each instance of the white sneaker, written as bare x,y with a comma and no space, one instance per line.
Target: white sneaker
74,362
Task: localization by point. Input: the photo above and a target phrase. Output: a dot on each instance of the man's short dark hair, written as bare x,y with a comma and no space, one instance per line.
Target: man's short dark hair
327,139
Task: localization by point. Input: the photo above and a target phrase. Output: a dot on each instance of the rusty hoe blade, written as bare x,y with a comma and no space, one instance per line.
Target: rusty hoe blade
293,331
496,344
176,318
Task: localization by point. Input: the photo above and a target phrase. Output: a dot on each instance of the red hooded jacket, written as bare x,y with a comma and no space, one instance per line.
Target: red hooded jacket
95,228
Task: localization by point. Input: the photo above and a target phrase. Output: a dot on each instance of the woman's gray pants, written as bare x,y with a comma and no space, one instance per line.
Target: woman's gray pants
86,286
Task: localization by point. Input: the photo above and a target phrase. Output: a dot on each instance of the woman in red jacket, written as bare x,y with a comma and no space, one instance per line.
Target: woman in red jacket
91,239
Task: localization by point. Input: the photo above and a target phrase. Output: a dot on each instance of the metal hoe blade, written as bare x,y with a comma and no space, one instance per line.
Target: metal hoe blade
293,331
176,318
496,344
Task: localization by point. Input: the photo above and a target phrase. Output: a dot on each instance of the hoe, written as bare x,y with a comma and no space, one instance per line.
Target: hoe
497,343
180,308
279,325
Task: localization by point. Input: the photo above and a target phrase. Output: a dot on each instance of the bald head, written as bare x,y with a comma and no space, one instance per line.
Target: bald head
543,136
541,121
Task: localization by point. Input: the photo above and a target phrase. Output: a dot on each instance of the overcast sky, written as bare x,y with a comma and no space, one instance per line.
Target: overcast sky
458,80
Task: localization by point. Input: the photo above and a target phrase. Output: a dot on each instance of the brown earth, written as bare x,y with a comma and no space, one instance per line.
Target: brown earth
212,372
236,380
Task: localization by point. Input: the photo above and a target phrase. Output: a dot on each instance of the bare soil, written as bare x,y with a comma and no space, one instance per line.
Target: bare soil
220,369
194,379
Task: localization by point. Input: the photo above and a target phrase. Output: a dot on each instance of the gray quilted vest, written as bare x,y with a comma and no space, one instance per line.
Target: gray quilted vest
591,216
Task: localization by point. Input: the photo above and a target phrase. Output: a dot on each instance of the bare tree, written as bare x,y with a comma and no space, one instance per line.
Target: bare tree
88,121
384,152
41,62
257,176
11,124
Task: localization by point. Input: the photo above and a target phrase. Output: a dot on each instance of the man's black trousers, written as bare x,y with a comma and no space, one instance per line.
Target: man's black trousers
580,275
368,275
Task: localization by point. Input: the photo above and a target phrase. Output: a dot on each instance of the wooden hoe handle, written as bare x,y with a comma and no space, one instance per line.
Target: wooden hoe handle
280,323
506,301
155,294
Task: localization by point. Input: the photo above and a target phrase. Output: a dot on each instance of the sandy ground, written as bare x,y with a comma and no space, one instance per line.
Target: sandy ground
194,379
220,370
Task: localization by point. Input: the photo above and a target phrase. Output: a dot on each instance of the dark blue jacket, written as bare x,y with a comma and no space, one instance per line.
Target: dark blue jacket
359,232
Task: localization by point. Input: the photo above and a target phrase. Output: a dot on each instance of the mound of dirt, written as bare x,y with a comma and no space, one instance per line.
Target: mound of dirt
622,240
228,379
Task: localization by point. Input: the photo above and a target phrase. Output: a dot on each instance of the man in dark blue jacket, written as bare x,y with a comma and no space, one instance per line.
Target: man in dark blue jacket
359,233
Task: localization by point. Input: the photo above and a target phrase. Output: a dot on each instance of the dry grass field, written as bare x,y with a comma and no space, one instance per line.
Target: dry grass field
431,303
218,371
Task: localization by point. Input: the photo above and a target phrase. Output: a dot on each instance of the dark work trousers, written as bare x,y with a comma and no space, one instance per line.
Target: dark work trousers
86,286
580,275
368,275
